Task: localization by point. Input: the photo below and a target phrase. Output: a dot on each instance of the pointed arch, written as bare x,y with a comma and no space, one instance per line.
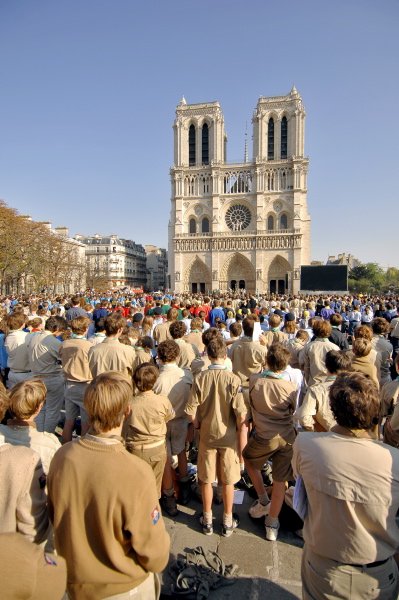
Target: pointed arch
192,145
238,268
284,137
278,275
205,144
270,139
197,276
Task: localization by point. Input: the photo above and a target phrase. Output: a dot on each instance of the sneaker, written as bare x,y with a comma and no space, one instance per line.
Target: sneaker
207,528
258,510
169,505
272,533
227,531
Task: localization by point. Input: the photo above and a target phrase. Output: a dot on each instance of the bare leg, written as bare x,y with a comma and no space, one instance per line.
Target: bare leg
67,430
207,497
228,498
256,478
278,494
167,479
182,462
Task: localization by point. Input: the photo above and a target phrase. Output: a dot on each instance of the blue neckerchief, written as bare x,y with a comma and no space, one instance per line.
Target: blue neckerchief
271,374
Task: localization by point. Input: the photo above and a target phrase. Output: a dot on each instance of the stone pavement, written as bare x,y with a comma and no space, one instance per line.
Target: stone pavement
266,569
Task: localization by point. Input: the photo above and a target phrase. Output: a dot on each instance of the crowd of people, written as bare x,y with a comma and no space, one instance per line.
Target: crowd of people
118,407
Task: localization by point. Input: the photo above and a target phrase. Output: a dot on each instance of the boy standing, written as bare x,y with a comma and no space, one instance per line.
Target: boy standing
217,409
272,402
104,505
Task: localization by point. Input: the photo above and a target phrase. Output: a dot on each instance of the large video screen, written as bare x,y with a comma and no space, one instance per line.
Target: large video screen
331,278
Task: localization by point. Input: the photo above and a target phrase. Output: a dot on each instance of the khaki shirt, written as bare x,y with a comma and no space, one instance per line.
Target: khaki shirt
217,402
146,424
362,364
141,357
315,408
161,332
74,354
313,359
111,355
352,486
274,337
295,347
195,338
44,443
44,358
202,362
187,354
272,402
248,357
175,383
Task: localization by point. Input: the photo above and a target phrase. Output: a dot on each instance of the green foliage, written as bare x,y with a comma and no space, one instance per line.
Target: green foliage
371,278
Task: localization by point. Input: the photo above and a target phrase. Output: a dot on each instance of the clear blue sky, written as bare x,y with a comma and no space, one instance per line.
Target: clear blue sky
89,89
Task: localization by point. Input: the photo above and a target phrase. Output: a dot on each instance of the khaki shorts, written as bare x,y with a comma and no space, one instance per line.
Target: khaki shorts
218,462
176,436
278,449
155,457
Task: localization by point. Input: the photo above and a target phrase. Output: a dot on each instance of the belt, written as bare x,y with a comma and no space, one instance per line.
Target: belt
146,446
14,371
377,563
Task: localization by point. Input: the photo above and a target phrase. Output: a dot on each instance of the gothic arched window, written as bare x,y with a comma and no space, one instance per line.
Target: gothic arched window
283,222
191,146
270,139
284,137
205,225
270,223
205,144
193,226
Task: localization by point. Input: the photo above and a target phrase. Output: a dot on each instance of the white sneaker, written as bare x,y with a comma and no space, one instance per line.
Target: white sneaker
258,510
272,533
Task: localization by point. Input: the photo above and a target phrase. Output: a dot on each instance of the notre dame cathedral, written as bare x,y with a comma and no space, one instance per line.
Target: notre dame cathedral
243,225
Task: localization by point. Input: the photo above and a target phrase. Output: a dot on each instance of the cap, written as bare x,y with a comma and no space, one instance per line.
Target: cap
26,571
157,311
137,318
289,317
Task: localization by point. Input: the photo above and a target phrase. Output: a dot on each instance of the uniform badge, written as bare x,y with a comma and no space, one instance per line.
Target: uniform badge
155,516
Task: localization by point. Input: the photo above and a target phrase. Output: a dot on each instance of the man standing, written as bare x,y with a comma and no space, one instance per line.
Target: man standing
111,355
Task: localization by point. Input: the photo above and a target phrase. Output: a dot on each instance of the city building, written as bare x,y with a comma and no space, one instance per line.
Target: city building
344,259
114,262
243,225
157,267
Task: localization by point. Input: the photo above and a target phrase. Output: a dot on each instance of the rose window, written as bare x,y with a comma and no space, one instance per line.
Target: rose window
238,217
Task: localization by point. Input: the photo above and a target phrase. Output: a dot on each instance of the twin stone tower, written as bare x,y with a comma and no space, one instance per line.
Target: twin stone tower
239,225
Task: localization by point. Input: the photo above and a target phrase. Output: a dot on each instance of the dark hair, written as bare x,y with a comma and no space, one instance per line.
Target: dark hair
321,328
145,377
380,326
100,325
336,319
278,357
354,401
210,334
113,323
338,360
216,348
248,325
168,351
177,329
145,342
56,324
236,329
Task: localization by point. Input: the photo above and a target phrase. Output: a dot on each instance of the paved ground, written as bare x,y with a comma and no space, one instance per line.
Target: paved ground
271,568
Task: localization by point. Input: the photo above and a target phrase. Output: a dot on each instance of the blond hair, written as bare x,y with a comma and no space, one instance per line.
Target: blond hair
4,401
79,325
27,397
106,401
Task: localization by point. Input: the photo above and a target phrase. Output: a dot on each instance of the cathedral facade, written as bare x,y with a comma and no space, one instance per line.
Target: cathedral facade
243,225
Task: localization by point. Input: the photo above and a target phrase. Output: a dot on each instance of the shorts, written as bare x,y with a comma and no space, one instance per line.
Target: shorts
278,449
176,435
74,394
221,463
155,457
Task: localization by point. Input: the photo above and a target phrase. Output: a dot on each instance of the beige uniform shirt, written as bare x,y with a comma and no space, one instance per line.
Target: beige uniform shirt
141,357
74,354
187,354
161,332
146,424
202,362
111,355
195,338
362,364
248,357
175,383
272,402
352,486
274,337
44,358
44,443
313,359
295,347
217,402
316,407
17,351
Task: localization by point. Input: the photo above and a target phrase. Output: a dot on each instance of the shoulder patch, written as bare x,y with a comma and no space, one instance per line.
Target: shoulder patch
155,516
